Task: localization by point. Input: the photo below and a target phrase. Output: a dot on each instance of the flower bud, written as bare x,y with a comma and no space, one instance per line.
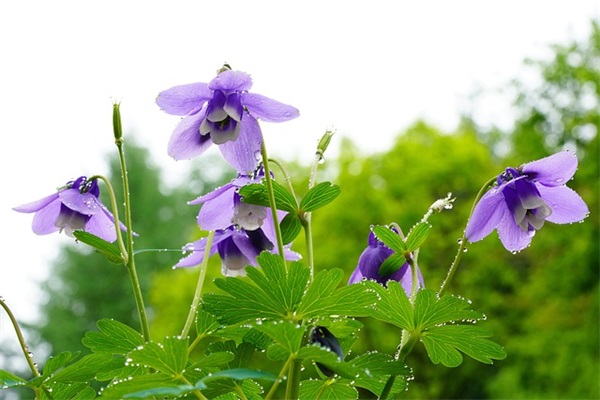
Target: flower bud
323,337
324,142
117,129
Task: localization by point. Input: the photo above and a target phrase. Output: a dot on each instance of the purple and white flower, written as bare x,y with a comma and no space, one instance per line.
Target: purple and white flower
371,260
526,197
222,112
75,206
223,207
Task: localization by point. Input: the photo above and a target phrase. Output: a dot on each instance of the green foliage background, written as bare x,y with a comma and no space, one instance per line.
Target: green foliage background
542,304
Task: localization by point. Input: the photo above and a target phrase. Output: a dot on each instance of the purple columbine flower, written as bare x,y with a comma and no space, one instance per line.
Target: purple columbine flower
370,261
224,113
238,248
223,207
525,198
75,206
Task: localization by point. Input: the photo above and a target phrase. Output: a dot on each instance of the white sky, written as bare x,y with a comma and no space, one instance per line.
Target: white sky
368,69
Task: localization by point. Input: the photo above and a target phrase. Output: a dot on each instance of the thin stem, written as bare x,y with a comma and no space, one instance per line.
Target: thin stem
286,177
279,377
405,350
293,384
414,277
306,218
462,241
115,212
21,338
135,283
199,285
272,204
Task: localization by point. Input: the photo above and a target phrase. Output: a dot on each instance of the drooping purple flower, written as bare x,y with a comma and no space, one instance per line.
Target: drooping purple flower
324,338
75,206
223,207
224,113
371,260
525,198
237,248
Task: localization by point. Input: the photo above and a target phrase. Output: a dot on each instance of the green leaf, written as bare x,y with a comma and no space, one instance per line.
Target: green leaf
87,368
213,360
327,390
389,238
256,193
206,323
286,333
417,236
136,387
239,374
322,298
8,380
290,227
109,250
393,306
391,264
376,364
72,391
114,337
431,311
319,196
444,342
169,357
57,362
273,293
161,392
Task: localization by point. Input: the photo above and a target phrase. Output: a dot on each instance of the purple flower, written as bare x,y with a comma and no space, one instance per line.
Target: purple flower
74,207
224,113
238,248
370,261
525,198
223,207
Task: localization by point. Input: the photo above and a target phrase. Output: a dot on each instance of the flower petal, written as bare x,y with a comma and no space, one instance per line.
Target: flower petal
567,206
267,109
102,225
554,170
356,276
84,203
511,235
37,205
184,99
231,81
212,195
217,213
44,221
199,247
243,153
486,215
186,141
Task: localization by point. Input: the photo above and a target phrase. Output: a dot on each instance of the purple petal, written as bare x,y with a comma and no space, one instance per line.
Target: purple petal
84,203
554,170
246,247
567,206
229,81
529,196
215,111
184,99
102,225
186,141
199,247
243,153
486,215
267,109
356,276
212,195
290,255
511,235
36,205
234,107
217,213
44,221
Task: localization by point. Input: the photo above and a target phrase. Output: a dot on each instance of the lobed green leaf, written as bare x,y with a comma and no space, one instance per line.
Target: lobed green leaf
390,238
114,337
327,390
417,236
109,250
319,196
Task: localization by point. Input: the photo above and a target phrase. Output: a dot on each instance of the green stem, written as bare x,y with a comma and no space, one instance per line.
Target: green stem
462,241
28,355
135,283
405,350
115,212
293,384
287,178
272,204
414,277
199,285
306,218
282,373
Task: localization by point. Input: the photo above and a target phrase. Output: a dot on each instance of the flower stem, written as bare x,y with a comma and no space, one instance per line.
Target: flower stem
135,283
28,355
272,204
293,384
284,369
414,277
199,285
408,343
462,241
115,212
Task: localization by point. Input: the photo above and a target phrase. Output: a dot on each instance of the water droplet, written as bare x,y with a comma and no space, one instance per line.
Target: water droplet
465,250
459,241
